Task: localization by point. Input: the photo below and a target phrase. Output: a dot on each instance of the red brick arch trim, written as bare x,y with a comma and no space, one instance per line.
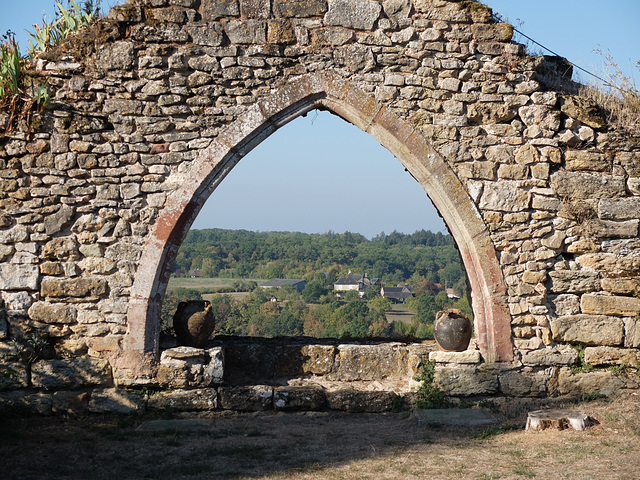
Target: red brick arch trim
326,91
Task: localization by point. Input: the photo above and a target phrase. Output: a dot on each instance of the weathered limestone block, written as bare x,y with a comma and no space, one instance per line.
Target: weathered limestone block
632,332
83,287
550,356
59,220
299,398
610,305
370,362
250,398
116,400
519,384
116,56
14,234
211,35
166,15
603,382
566,304
504,198
611,356
628,286
611,229
19,277
555,241
582,186
358,402
497,32
280,31
201,399
463,380
619,208
63,248
586,161
574,281
609,264
588,329
468,356
214,9
332,36
319,359
73,373
583,110
299,8
247,31
53,313
354,57
358,14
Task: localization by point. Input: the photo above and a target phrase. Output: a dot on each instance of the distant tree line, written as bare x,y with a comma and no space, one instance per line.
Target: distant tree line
395,258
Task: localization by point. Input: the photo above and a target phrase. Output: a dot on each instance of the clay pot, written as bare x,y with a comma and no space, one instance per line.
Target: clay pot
193,323
452,331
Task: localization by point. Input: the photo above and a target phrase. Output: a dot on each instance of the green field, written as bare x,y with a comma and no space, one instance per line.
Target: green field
207,285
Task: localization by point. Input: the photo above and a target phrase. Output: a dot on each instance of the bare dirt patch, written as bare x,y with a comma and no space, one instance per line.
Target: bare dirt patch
321,445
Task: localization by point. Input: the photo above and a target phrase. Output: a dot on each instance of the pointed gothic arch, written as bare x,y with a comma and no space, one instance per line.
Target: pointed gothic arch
325,91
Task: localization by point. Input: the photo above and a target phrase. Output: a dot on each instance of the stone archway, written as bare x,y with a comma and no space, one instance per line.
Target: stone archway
328,92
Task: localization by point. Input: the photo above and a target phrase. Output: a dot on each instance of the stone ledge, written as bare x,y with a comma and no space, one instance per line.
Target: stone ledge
466,357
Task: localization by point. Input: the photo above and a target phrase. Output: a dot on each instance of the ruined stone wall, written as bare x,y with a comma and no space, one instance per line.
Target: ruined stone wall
145,99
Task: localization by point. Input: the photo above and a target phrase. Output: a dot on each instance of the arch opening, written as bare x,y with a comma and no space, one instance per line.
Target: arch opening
324,92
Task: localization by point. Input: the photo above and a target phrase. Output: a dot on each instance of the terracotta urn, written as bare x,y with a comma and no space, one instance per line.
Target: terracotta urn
452,330
193,322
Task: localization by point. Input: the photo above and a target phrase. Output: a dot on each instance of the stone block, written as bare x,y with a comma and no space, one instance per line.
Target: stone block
611,356
610,264
246,31
370,362
82,287
583,110
518,384
299,8
582,186
602,382
588,329
466,357
619,208
280,31
622,285
513,172
299,398
116,56
576,160
116,400
611,229
574,281
182,367
464,380
246,398
610,305
497,32
566,304
550,357
255,8
319,359
53,313
19,277
504,198
72,373
360,402
332,36
201,399
59,220
356,14
632,332
210,35
214,9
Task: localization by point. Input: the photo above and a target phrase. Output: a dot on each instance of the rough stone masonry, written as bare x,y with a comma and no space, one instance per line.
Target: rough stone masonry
153,105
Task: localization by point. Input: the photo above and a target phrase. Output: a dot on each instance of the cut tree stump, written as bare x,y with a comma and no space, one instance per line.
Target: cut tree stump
560,419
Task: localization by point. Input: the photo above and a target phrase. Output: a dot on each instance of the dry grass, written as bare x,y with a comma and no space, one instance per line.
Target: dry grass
321,446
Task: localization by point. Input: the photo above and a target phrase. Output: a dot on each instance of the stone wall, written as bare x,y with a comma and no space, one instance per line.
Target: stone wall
155,104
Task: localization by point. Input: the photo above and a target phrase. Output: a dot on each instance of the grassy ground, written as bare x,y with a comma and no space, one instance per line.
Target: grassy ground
323,445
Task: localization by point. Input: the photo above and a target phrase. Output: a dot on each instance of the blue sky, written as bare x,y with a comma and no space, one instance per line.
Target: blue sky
320,174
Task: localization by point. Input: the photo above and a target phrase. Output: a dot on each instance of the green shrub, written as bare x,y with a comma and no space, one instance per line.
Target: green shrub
428,395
